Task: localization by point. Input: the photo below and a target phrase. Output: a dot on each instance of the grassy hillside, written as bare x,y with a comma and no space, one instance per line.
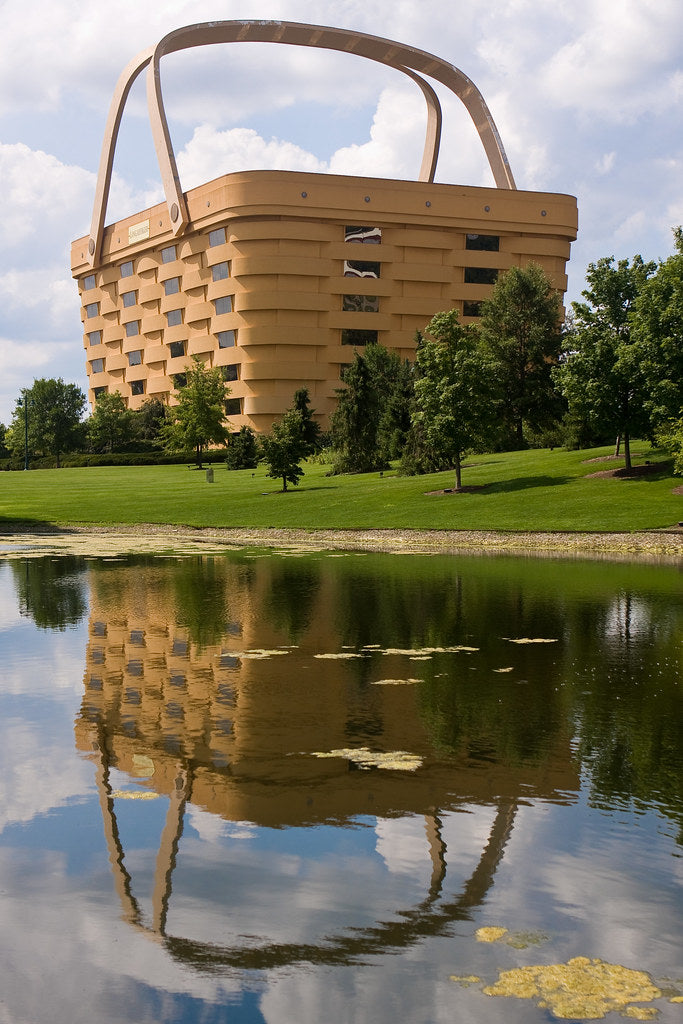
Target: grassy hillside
533,490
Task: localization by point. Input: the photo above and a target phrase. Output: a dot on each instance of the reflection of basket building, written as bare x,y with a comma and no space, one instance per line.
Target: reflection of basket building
246,721
277,277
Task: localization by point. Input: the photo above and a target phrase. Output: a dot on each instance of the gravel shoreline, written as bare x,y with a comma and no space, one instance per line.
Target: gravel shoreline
95,540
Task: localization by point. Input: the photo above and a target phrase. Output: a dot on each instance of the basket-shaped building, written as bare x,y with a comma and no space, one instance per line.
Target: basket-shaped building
278,277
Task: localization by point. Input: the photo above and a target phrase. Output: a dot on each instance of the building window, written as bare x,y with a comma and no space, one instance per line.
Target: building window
217,236
168,254
129,298
127,269
230,372
482,243
356,337
471,308
176,349
360,268
220,271
88,282
95,338
92,309
179,380
172,286
99,391
223,305
132,328
370,236
174,317
343,367
480,275
360,303
226,339
137,387
97,366
135,358
233,406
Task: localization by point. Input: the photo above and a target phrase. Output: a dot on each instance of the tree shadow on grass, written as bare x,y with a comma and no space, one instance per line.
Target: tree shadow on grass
295,489
524,483
11,525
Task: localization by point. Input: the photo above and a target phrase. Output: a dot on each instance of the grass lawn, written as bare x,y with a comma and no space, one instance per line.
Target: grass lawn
532,490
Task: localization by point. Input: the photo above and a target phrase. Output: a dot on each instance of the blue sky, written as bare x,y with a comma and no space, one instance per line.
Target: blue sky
587,96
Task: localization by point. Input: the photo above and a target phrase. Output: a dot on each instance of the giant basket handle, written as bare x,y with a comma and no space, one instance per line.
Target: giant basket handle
407,59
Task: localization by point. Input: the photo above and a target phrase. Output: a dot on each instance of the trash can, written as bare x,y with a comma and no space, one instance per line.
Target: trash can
209,475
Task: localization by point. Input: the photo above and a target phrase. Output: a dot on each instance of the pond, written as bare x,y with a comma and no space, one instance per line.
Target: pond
283,786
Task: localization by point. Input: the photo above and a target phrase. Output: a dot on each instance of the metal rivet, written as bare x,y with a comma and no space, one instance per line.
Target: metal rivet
175,212
487,209
91,247
428,203
543,213
304,195
367,199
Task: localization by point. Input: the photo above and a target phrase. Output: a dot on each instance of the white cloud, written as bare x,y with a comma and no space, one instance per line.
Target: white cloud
586,97
211,153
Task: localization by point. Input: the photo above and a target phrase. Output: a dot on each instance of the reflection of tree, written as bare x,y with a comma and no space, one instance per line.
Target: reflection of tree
51,591
493,719
291,597
201,591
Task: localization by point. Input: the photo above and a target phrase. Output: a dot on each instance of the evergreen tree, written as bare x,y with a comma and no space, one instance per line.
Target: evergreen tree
150,418
371,420
310,427
242,450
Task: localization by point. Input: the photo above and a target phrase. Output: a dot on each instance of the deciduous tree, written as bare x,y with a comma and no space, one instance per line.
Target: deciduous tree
603,370
284,448
50,414
657,326
111,426
521,324
453,412
198,419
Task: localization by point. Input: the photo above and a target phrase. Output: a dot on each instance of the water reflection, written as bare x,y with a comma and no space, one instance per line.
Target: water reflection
51,590
524,692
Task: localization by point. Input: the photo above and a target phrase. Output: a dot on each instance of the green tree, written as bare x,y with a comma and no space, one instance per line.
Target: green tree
242,450
111,426
454,407
197,420
51,412
149,419
670,437
602,373
284,448
371,419
393,382
657,325
521,324
311,428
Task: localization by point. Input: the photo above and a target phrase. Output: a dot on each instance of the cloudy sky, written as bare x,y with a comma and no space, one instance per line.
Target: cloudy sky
587,96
